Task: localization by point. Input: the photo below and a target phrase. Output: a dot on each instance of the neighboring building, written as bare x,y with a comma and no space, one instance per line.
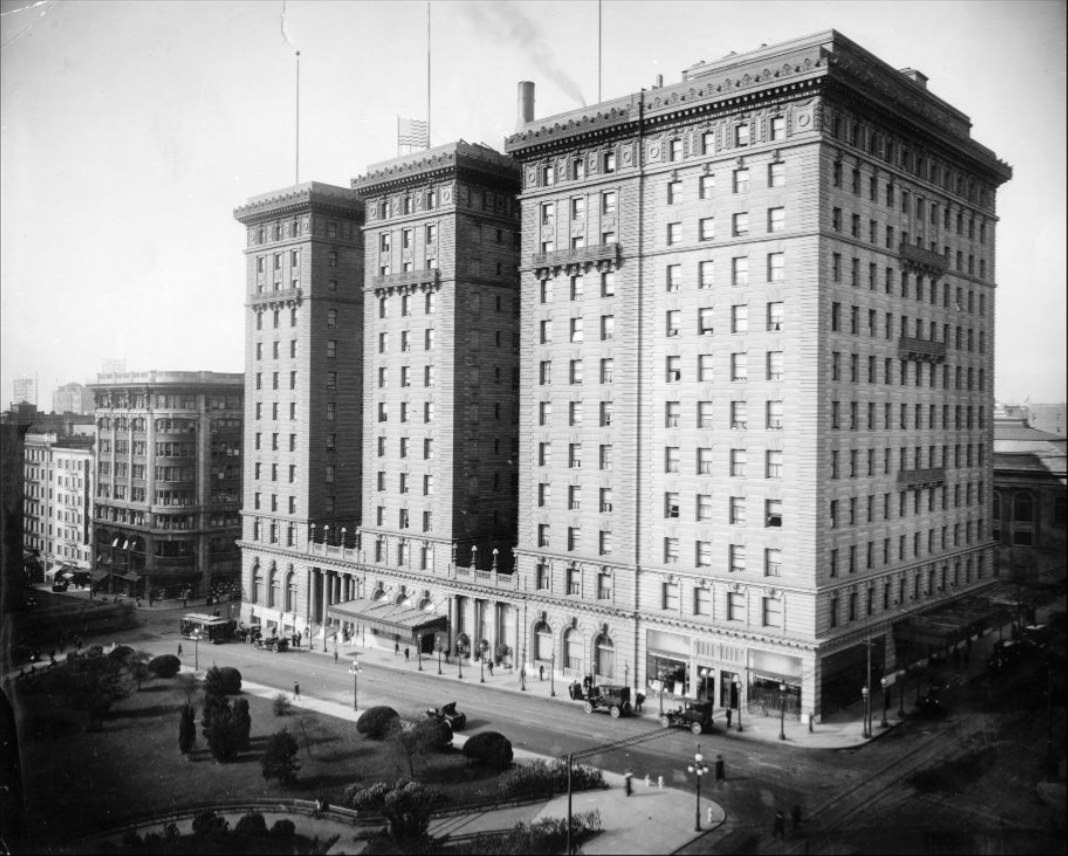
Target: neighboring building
1030,512
303,391
166,513
25,391
73,398
58,499
14,568
757,338
1049,418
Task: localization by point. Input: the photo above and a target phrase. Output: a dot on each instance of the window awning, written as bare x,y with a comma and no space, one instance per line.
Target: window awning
389,617
99,575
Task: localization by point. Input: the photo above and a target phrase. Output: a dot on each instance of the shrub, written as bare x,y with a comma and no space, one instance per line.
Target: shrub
280,758
490,749
284,828
280,704
222,682
121,653
433,735
376,722
251,824
208,822
187,730
222,730
165,666
243,723
539,777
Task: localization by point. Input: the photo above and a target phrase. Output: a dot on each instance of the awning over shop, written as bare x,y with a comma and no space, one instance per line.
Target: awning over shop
129,576
100,574
388,617
952,623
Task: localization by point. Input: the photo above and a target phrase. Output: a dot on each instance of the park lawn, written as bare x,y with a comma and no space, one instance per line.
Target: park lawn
77,781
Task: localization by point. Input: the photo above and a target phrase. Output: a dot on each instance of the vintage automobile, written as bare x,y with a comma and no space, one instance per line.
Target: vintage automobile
616,700
449,714
277,644
695,715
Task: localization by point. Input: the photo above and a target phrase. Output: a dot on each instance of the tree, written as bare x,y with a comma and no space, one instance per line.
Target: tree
243,723
165,666
376,722
187,730
280,758
406,806
222,681
223,733
94,683
490,749
138,664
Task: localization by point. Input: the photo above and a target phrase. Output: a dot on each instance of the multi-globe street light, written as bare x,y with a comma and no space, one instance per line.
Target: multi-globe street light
699,768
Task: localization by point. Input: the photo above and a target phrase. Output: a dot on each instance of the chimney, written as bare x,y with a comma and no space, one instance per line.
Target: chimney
526,104
917,76
659,82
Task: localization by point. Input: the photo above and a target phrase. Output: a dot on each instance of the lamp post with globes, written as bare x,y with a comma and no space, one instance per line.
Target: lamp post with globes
698,768
866,695
886,689
782,711
195,636
552,672
439,646
738,688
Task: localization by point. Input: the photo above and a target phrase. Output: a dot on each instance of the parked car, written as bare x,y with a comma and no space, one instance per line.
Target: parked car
278,644
448,713
616,700
695,715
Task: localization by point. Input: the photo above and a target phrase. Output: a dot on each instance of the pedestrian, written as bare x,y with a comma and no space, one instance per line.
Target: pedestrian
639,700
779,828
541,673
795,817
627,787
296,691
721,773
730,713
407,655
335,655
179,649
396,648
489,666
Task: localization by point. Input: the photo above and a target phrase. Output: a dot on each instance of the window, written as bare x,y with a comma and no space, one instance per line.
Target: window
706,274
574,455
776,267
604,458
735,606
674,192
671,414
704,321
737,558
778,128
606,500
671,459
577,284
776,175
774,415
739,419
772,563
708,228
773,463
707,186
671,506
674,233
773,513
674,370
739,366
775,365
736,511
776,219
704,414
738,460
608,285
741,135
740,181
671,557
669,591
704,368
606,370
574,413
739,224
576,330
704,461
740,270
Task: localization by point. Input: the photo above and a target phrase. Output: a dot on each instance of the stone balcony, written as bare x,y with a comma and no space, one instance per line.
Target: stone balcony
281,297
925,261
405,278
918,479
597,254
923,350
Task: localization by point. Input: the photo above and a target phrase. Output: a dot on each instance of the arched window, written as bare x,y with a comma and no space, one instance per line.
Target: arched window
574,652
378,593
604,657
1023,510
291,591
272,594
543,641
257,582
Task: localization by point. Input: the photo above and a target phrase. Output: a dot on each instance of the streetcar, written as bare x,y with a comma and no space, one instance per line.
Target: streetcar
209,628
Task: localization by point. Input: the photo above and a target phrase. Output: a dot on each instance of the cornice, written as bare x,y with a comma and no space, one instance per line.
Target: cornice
323,198
459,160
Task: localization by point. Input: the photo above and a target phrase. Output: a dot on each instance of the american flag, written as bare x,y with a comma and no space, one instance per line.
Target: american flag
412,132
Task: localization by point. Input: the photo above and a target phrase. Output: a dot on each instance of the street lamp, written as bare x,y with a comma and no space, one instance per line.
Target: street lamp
195,636
460,659
439,646
704,681
483,647
552,672
865,694
419,652
738,688
354,670
782,711
698,768
886,689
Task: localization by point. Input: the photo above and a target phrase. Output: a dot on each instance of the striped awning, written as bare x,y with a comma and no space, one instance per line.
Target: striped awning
389,617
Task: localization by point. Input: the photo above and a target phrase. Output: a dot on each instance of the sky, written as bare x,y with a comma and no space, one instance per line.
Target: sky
131,129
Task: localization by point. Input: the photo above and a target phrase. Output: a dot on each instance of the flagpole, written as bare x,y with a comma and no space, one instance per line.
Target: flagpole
428,74
298,120
598,51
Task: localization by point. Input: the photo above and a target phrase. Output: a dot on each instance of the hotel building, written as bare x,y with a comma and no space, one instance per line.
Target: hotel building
757,326
58,498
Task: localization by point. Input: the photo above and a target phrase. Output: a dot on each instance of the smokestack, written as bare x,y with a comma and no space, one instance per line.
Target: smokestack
526,104
659,82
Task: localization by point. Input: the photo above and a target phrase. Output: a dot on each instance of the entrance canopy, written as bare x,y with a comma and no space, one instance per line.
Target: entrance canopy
388,617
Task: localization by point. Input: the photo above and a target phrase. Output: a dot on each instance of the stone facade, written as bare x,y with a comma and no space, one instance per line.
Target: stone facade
58,499
778,276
